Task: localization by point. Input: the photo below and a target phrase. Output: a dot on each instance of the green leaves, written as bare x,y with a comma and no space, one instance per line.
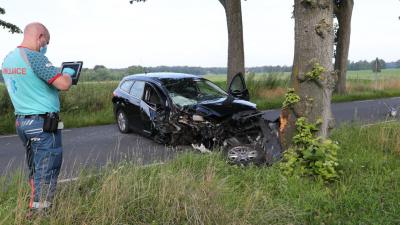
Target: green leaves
11,27
132,1
311,156
290,98
315,73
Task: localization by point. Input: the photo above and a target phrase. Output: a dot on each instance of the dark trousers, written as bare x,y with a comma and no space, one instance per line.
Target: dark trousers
44,158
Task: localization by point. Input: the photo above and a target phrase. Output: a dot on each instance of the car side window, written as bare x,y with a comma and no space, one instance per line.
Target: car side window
126,85
237,83
151,97
137,89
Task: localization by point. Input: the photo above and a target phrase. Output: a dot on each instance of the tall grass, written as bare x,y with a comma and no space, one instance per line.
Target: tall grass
203,189
267,90
88,103
258,84
7,119
369,75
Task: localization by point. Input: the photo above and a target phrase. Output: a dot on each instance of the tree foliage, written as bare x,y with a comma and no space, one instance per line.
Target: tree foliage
6,25
99,67
365,65
132,1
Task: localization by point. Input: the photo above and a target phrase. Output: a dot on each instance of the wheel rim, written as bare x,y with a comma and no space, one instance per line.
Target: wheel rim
242,154
121,121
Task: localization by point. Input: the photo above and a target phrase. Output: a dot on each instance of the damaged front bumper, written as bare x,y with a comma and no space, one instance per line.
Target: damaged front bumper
244,137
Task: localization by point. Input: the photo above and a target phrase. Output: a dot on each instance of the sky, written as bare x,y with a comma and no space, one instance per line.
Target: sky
117,34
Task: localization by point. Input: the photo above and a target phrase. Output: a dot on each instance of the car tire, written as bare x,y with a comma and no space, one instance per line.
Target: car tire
244,154
122,122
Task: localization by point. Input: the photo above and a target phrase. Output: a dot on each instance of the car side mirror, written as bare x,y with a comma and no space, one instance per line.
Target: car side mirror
241,94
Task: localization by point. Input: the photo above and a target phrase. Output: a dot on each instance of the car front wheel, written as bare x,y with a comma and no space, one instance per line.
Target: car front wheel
245,154
122,122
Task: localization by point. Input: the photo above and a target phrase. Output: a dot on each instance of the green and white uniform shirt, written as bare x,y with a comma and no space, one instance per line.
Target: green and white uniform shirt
28,76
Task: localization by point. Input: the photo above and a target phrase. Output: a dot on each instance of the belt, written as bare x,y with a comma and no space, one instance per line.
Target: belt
31,116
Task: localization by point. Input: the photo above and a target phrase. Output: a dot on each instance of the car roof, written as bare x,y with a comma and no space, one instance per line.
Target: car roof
157,77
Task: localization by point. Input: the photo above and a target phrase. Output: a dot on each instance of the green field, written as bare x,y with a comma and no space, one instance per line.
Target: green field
203,189
351,75
267,90
89,103
369,75
86,104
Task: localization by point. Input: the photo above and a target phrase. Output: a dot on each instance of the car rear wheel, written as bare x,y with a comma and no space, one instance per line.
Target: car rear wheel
122,122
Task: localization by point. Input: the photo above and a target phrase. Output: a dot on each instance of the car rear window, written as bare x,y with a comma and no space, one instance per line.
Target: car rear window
137,89
126,85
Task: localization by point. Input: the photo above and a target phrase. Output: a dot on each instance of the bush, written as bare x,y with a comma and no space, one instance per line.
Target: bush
5,102
310,155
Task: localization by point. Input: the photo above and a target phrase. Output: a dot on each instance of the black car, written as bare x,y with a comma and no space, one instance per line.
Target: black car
182,109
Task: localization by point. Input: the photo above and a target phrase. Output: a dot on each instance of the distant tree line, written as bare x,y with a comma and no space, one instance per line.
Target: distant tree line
368,65
102,73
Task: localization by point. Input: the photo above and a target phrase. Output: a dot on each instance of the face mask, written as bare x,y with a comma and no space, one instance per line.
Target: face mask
43,50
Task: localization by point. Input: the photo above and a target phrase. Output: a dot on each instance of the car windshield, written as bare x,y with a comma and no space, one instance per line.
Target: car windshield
190,91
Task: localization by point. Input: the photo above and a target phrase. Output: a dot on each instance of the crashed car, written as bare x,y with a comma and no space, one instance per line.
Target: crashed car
182,109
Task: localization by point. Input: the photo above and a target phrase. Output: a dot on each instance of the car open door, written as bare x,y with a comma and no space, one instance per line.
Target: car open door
237,87
151,108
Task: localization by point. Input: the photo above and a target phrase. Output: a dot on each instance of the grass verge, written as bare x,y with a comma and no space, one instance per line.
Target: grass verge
203,189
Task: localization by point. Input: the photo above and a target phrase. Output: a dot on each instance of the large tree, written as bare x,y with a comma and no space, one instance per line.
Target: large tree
313,77
233,12
343,10
9,26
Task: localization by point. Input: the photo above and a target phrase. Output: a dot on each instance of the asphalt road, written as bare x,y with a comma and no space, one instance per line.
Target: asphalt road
95,146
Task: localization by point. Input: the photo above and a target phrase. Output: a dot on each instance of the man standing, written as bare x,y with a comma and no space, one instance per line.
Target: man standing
33,84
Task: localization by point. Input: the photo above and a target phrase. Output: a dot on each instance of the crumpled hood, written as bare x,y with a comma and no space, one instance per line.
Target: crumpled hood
223,108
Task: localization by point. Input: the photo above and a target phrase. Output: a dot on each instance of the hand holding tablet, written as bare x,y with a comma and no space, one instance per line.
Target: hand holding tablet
70,72
73,69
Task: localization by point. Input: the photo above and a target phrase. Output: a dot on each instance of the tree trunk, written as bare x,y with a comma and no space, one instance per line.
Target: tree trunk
314,38
233,11
343,13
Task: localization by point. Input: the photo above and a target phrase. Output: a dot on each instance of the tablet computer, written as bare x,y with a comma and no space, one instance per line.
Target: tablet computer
77,66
